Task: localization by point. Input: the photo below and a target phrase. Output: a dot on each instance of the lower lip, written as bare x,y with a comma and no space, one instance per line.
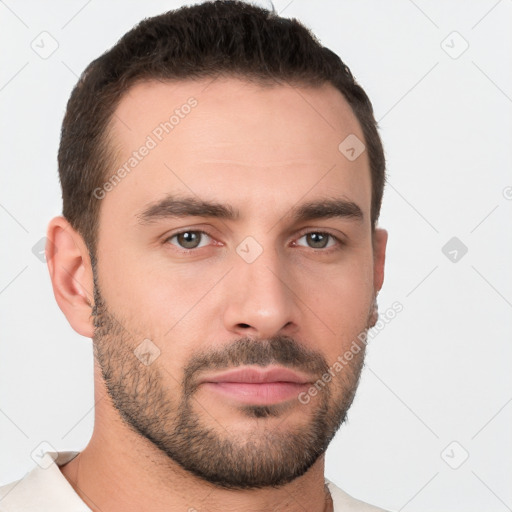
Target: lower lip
263,393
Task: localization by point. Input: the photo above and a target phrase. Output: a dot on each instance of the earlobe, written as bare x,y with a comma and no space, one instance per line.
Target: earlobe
70,270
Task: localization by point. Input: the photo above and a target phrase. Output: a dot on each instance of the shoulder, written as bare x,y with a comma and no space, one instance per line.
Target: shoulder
343,502
43,489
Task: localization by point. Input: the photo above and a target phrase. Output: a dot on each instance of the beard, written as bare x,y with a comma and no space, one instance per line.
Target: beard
268,454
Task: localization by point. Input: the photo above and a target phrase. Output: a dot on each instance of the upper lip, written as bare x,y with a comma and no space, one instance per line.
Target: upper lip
252,375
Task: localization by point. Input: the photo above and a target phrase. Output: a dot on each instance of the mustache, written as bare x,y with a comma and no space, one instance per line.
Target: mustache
281,350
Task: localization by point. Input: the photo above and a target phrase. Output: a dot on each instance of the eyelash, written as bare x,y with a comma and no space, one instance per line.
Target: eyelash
327,250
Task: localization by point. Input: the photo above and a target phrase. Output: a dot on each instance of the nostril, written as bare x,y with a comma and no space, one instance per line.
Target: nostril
245,326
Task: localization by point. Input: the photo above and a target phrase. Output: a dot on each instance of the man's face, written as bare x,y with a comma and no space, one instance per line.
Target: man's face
277,275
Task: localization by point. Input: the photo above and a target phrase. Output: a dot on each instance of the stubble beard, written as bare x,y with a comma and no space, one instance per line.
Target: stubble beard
262,457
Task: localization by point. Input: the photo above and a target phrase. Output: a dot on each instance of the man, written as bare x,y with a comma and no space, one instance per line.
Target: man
222,177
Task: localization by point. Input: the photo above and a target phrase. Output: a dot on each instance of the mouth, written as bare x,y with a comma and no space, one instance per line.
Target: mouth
257,386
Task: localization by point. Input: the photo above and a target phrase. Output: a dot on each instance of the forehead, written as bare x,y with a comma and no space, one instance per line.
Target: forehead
227,139
240,112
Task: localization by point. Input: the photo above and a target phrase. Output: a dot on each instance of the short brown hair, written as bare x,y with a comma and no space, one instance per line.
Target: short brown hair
229,38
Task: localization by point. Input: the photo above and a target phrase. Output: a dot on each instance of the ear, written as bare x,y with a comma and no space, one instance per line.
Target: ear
380,240
70,270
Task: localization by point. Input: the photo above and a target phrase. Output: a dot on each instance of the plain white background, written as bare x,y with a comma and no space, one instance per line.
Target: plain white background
430,427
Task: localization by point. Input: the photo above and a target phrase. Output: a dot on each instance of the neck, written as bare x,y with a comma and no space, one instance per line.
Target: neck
121,471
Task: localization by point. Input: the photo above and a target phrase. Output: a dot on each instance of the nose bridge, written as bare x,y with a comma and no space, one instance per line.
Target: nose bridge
260,299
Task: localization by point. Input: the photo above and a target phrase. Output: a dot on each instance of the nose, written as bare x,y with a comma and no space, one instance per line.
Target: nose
260,297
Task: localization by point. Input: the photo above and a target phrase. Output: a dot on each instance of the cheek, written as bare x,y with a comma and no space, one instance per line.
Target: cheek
155,306
341,297
156,300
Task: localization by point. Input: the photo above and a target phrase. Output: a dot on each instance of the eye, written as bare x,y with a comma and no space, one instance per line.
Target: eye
189,239
319,240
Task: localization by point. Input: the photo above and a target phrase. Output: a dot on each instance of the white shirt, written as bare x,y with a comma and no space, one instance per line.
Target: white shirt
45,489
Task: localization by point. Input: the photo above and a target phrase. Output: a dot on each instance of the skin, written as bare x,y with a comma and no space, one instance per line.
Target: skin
263,151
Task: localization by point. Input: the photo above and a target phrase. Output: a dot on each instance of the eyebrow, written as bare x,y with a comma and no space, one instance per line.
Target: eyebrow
179,206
